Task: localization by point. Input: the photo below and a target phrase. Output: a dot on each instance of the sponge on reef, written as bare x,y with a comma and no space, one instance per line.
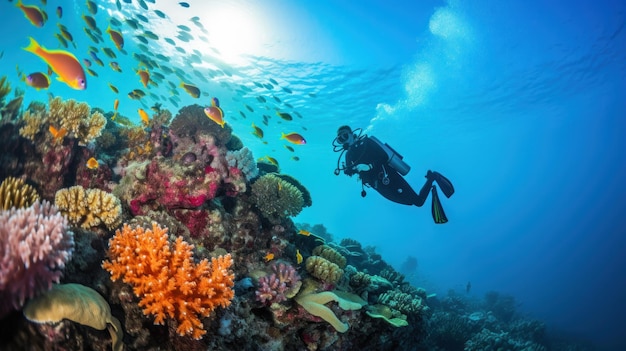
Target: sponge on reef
79,304
14,192
323,269
89,208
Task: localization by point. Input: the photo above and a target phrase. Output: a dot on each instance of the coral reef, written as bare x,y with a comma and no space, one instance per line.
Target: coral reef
276,198
323,269
79,304
89,208
76,119
282,284
14,192
314,304
166,279
35,245
244,161
330,254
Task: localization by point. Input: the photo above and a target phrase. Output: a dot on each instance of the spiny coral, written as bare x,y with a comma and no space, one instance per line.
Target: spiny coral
402,302
89,208
276,198
282,284
75,118
166,279
330,254
14,192
323,269
244,160
79,304
34,246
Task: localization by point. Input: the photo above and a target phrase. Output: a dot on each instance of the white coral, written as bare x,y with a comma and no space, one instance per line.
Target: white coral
244,160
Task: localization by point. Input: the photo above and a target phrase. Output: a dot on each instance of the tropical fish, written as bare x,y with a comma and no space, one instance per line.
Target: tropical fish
160,14
285,116
287,90
114,88
92,163
61,40
269,257
183,4
258,132
92,72
38,80
116,104
87,62
90,21
92,7
57,134
191,89
115,66
298,256
215,113
116,37
304,232
293,138
144,116
63,63
289,148
271,160
295,158
35,15
144,77
110,53
59,11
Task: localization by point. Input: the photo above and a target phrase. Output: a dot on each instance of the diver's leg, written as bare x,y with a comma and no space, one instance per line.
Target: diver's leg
423,194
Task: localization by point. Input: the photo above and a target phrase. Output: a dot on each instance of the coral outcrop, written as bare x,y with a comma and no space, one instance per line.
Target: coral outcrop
35,245
88,208
323,269
14,192
76,118
282,284
276,198
169,284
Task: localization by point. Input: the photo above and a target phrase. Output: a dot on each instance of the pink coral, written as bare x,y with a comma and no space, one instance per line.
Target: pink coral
276,287
34,246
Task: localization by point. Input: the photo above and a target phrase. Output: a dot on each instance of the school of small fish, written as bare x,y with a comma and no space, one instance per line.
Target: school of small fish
131,34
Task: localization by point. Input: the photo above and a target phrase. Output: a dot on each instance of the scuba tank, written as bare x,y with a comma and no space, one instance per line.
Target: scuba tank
394,159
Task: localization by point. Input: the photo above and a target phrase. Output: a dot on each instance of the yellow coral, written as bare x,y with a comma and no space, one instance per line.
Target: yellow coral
89,208
330,254
314,303
74,117
32,124
323,269
276,198
14,192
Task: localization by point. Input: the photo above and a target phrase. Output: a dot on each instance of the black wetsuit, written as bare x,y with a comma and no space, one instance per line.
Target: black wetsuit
381,176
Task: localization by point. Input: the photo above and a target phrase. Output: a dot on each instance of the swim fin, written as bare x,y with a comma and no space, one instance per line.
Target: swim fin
444,184
439,216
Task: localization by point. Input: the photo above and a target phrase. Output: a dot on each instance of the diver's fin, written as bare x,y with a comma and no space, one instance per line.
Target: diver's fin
445,184
439,216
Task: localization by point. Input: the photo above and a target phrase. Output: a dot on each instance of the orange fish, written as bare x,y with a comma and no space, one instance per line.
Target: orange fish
144,116
116,104
269,257
63,63
144,77
57,134
33,14
92,163
215,113
293,138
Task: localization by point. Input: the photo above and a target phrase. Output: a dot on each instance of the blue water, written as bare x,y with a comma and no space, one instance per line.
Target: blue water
521,104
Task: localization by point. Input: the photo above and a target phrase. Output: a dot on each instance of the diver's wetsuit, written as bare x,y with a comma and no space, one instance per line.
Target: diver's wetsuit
380,175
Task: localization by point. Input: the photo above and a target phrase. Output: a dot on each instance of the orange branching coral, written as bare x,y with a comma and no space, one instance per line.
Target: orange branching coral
167,281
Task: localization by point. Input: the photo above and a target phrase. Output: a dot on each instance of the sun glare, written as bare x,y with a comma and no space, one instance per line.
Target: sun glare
235,31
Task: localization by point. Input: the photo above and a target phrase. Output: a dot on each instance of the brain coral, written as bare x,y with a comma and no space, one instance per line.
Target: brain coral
15,193
89,208
276,198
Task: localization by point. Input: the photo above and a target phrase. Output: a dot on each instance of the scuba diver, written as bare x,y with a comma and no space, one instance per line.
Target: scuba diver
382,168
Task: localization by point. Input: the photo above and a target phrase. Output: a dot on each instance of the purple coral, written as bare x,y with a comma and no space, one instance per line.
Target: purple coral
34,246
275,287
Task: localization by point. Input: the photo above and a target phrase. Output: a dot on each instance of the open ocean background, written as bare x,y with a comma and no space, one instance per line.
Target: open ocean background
521,104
